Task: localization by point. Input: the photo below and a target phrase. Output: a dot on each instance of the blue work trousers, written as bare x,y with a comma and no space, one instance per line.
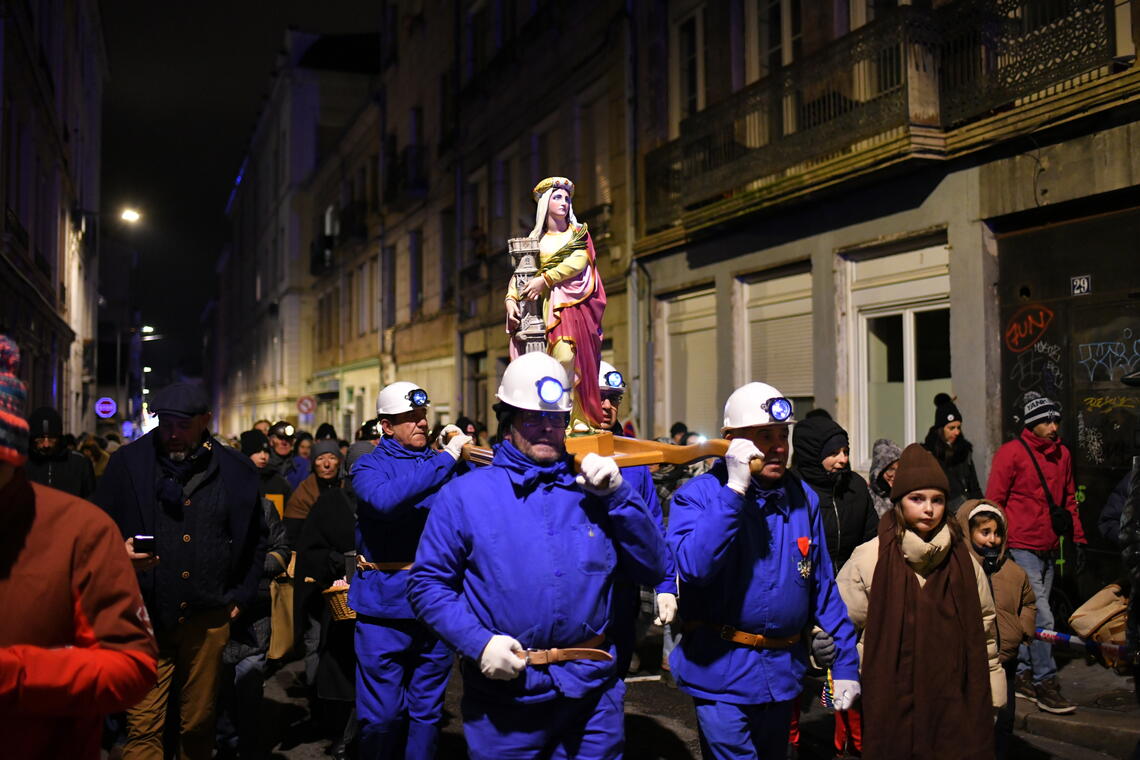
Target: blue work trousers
743,732
1038,655
590,728
401,676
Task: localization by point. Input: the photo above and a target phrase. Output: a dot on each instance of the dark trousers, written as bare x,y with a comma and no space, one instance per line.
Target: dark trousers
1003,727
189,668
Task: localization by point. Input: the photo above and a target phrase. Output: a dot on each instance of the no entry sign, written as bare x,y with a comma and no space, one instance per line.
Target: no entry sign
306,405
106,407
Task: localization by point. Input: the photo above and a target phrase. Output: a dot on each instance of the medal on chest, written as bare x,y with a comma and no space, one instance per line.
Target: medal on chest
804,565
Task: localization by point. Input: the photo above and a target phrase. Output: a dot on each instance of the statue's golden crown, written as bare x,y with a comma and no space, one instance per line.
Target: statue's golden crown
550,182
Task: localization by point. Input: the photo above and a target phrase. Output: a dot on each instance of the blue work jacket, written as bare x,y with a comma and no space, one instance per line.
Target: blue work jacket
395,486
758,563
640,479
520,549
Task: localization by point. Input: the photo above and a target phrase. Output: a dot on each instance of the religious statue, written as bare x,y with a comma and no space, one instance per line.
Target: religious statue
570,287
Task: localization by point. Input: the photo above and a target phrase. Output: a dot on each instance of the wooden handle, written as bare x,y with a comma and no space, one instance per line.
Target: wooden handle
627,452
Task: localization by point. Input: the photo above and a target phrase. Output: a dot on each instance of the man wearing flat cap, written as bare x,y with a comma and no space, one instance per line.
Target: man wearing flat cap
200,502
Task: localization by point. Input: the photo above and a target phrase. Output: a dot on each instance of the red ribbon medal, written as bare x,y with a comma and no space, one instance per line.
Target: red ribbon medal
804,565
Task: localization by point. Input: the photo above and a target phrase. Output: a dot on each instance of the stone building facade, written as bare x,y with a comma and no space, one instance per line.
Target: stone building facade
54,67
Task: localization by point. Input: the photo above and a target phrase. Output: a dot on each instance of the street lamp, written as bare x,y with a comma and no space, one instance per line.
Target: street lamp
147,329
130,216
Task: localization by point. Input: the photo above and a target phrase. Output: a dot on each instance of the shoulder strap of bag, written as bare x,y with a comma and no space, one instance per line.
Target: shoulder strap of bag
1044,485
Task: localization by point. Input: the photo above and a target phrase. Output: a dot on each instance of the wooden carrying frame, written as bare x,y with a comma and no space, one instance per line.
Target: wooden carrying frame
627,452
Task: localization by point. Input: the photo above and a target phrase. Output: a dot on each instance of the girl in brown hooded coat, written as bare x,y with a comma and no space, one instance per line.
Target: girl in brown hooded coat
930,672
983,524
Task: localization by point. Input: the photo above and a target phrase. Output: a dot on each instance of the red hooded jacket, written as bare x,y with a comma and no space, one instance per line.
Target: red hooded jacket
1015,485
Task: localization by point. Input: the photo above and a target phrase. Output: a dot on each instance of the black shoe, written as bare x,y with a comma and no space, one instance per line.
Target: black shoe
1050,700
1024,688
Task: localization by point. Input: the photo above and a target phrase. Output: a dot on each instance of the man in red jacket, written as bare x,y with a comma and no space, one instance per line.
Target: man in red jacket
75,639
1022,469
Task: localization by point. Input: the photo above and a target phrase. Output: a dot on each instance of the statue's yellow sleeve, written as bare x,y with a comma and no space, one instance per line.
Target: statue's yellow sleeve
512,291
572,266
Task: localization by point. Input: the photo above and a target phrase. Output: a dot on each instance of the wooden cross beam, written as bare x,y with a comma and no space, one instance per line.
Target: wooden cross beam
627,452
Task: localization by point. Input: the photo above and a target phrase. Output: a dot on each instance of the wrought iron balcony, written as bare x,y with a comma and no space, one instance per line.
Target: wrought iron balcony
910,71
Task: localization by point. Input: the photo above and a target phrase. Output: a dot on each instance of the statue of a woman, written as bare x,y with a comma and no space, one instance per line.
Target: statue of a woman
568,279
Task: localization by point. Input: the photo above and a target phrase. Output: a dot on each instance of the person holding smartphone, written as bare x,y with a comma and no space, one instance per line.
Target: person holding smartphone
200,501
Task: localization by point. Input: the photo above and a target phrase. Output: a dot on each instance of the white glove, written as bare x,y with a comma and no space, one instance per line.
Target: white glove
666,609
456,444
740,453
599,475
499,661
844,694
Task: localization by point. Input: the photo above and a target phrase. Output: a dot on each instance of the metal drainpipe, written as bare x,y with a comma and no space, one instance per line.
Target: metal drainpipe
459,399
382,102
638,356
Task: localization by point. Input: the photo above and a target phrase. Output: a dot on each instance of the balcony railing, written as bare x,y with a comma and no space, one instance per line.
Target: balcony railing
852,90
910,68
995,53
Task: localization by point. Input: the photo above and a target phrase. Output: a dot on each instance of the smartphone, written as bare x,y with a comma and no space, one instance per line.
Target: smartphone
144,544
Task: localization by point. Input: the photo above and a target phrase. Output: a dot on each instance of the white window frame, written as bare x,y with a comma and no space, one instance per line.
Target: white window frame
904,291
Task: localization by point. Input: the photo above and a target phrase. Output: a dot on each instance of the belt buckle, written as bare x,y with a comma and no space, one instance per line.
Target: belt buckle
528,652
726,632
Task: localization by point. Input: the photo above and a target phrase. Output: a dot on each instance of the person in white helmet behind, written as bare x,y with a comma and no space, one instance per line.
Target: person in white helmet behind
754,576
627,628
403,667
515,570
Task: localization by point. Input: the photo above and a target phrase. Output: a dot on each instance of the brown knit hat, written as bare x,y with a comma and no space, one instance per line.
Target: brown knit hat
918,469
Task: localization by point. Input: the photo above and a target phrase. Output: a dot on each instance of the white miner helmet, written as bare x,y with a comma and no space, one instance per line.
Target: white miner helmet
756,404
536,381
400,397
609,379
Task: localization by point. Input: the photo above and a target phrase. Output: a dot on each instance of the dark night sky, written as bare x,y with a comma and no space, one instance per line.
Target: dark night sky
186,85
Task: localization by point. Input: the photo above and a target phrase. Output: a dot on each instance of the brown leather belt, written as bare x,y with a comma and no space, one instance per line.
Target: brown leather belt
583,650
736,636
363,564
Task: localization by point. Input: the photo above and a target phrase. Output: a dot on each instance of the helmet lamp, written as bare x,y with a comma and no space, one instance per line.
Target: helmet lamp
550,390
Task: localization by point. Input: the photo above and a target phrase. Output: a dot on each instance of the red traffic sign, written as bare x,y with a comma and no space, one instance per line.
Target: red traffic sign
306,405
106,407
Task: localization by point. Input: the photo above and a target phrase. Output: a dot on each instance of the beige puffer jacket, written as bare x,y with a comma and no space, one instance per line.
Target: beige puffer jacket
923,556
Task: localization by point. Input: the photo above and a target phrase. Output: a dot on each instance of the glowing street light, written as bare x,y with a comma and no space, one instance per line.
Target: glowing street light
147,329
130,216
147,369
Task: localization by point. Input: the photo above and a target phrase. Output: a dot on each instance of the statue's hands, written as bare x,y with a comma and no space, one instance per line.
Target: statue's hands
512,315
534,289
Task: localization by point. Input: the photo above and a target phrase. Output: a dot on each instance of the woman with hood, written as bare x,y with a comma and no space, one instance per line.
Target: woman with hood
930,671
954,453
983,524
821,461
884,464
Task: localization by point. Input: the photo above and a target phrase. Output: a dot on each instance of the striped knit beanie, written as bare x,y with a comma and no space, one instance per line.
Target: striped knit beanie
13,426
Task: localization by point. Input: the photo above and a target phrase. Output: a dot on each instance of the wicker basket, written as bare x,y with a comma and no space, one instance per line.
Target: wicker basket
338,603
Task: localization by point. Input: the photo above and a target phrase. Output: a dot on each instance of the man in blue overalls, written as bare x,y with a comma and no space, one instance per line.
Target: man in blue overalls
403,668
515,570
755,574
627,628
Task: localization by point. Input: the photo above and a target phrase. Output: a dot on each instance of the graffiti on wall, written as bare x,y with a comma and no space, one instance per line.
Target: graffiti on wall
1102,359
1090,441
1039,370
1027,326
